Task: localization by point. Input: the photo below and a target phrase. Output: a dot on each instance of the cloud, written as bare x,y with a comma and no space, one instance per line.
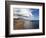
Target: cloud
23,12
26,12
30,12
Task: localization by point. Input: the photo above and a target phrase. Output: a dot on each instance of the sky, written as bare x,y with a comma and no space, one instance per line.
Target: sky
35,13
31,13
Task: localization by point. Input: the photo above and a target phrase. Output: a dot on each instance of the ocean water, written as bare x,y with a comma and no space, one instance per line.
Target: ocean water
28,24
35,24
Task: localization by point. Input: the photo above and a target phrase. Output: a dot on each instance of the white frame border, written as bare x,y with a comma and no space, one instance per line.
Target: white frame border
27,30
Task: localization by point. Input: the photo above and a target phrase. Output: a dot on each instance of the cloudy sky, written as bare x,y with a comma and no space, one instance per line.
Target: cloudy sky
32,14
